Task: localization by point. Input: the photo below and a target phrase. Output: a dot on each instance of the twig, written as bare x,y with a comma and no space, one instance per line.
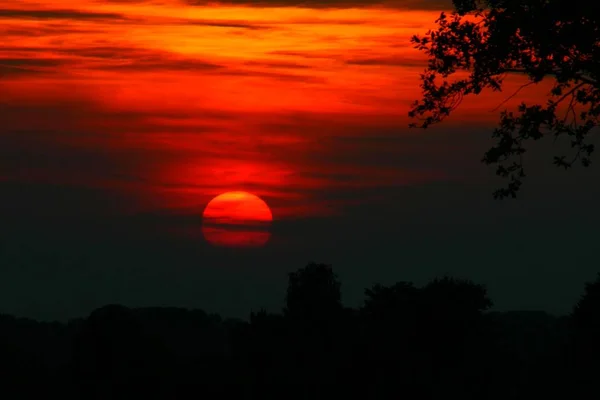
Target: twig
523,86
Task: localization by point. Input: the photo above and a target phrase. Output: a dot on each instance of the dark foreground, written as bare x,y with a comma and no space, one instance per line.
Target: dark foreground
437,341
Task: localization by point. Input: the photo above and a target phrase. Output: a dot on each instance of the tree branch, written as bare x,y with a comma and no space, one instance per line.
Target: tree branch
523,86
570,92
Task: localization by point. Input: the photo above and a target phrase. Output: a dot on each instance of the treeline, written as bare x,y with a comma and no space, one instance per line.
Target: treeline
430,342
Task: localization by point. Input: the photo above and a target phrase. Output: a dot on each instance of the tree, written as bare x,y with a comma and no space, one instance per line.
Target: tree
313,294
541,39
389,301
313,314
448,299
388,356
391,310
586,313
585,353
452,337
113,356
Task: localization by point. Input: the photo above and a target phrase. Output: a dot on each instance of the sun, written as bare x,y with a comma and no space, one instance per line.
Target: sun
237,219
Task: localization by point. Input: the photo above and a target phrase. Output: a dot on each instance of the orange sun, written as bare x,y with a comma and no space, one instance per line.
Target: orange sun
237,219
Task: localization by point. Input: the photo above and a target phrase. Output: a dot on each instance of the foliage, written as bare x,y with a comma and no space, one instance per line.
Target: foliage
429,341
457,297
313,293
541,39
585,313
383,302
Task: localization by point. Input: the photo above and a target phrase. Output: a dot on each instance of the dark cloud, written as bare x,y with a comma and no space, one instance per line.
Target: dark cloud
406,4
58,14
325,21
135,59
159,63
375,61
387,61
129,1
40,30
118,58
302,54
22,66
108,52
100,16
29,62
221,24
275,75
277,64
423,4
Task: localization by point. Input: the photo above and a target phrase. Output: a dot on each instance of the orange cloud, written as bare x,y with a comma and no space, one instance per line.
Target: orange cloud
173,103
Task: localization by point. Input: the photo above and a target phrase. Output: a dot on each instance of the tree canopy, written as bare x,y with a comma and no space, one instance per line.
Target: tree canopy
541,39
430,341
313,293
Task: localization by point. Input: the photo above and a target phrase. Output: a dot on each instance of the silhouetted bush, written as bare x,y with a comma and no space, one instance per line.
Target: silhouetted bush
435,341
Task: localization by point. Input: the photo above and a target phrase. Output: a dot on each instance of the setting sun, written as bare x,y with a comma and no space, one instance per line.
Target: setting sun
237,219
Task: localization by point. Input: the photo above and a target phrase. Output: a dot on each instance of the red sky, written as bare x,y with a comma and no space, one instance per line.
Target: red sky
177,103
121,119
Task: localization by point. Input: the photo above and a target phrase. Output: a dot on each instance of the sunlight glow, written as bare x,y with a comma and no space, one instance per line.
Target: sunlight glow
237,219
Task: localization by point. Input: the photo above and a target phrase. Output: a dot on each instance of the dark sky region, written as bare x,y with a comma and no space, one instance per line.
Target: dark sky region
120,120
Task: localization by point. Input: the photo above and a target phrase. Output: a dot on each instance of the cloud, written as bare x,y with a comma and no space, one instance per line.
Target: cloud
115,58
303,54
134,59
220,24
58,14
49,29
19,66
388,61
108,52
275,75
401,4
61,14
277,64
160,63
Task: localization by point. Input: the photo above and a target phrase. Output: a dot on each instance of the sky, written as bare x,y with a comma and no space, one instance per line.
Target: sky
120,120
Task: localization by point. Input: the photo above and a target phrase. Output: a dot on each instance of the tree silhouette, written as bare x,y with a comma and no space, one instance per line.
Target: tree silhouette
389,314
267,353
489,39
456,300
429,342
450,337
114,357
313,313
313,294
29,358
586,313
585,319
425,340
390,330
385,303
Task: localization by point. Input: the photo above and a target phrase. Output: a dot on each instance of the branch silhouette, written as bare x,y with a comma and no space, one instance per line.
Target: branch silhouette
539,39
